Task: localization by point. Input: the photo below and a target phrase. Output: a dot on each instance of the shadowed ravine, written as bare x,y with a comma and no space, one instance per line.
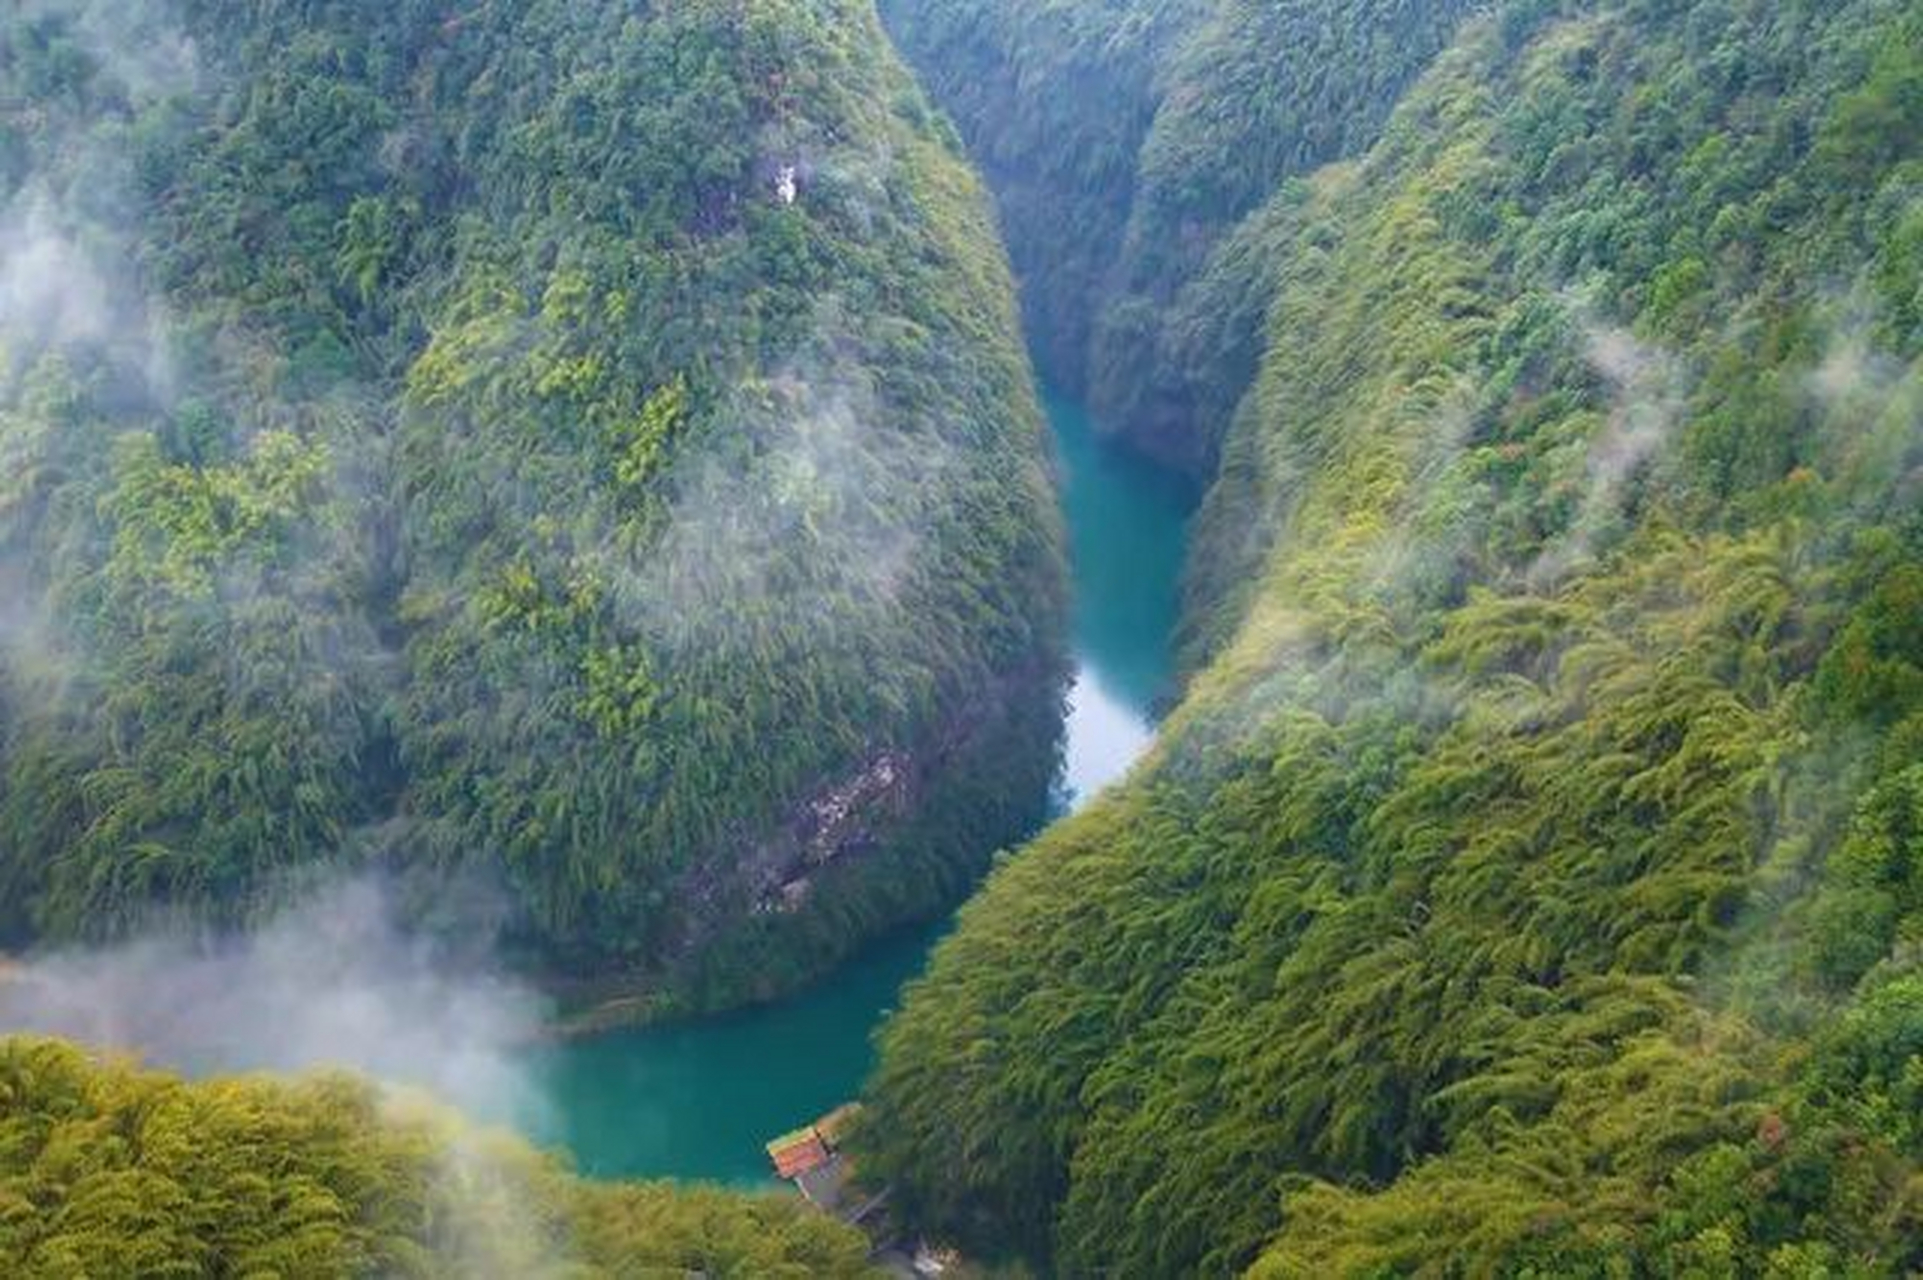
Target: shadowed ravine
697,1100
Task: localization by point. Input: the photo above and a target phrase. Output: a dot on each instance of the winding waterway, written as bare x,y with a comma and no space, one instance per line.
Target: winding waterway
698,1100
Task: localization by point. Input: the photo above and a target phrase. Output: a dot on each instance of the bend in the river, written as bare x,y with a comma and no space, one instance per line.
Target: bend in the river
697,1100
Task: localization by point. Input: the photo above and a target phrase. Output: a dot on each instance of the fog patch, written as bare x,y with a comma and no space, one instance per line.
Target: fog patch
1872,405
146,55
790,506
1646,387
1648,391
1852,368
67,280
62,288
48,284
332,982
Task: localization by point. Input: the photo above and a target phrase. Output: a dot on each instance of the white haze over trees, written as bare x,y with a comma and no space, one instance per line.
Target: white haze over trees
332,982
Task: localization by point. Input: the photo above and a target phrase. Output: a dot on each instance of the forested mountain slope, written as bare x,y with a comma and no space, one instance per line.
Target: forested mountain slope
582,448
106,1170
1531,882
1055,101
1134,147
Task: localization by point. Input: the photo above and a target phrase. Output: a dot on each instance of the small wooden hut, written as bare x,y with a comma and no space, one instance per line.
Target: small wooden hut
797,1153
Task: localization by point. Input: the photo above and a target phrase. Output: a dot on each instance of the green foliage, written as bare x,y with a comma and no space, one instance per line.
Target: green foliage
369,246
1875,668
476,466
1526,885
1258,93
1020,81
176,526
110,1170
1131,225
639,445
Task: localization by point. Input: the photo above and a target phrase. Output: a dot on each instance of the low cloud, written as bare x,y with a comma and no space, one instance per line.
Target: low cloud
49,285
798,506
1647,390
137,44
332,982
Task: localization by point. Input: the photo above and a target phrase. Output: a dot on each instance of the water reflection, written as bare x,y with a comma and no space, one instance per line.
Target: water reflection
1127,522
1106,734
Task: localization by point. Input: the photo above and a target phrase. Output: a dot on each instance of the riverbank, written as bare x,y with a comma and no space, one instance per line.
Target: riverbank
699,1099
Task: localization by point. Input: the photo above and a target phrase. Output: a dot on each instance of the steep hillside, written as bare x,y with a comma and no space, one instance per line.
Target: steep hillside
576,448
1135,148
1530,882
108,1170
1055,101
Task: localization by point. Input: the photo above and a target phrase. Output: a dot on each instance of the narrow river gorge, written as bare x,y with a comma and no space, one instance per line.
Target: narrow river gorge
697,1100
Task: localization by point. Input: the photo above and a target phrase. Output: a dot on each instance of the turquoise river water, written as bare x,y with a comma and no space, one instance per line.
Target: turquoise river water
697,1100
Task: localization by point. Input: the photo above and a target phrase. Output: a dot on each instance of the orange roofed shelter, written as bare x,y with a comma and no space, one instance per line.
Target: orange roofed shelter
800,1152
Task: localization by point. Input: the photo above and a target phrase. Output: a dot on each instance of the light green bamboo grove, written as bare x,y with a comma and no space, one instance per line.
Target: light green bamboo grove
1527,884
109,1170
557,441
468,463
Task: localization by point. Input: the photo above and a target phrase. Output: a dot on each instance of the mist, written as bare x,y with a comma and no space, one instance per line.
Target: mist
332,982
136,43
743,528
1647,390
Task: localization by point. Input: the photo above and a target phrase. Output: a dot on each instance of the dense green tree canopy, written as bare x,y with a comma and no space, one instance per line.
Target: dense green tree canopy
1055,101
108,1170
1134,147
1527,883
583,445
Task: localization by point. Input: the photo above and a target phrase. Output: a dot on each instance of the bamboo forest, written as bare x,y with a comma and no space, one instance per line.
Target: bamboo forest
973,638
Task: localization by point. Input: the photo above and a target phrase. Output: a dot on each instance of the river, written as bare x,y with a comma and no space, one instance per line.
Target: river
697,1100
